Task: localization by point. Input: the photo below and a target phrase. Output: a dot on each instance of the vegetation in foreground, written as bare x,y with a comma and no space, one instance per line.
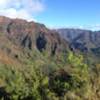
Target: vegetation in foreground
42,77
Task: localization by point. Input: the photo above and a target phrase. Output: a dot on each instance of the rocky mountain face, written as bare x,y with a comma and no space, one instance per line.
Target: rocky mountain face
83,40
35,64
16,34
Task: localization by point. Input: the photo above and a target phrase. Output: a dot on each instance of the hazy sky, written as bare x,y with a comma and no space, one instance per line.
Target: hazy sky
55,13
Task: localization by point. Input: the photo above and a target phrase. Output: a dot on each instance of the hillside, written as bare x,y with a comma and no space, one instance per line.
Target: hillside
36,63
86,38
85,41
17,35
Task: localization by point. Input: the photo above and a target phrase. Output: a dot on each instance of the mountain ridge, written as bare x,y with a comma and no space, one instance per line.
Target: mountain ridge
84,40
37,63
17,35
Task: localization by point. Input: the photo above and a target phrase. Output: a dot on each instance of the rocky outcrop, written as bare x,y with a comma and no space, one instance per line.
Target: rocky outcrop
83,40
31,35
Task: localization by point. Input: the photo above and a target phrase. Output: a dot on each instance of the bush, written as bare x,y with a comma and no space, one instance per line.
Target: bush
44,77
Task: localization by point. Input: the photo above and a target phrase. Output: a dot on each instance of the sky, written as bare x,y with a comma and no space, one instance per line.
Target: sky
83,14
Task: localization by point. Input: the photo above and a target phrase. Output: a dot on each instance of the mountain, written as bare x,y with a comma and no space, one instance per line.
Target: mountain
37,63
84,40
18,34
29,53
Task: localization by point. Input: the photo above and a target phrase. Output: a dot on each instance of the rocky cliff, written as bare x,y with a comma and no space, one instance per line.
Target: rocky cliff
17,35
83,40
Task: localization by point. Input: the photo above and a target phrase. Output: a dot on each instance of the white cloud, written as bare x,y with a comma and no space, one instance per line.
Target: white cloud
93,27
24,9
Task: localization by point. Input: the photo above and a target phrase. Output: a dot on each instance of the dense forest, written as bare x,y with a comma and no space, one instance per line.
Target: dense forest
43,77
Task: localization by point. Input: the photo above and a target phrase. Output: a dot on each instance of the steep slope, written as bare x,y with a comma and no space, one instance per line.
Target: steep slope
83,40
17,35
34,64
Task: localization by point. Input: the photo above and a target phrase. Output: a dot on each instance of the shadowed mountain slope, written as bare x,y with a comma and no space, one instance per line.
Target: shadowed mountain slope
83,40
17,35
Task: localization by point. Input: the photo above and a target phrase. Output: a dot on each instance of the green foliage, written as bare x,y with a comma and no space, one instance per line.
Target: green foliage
15,84
43,77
